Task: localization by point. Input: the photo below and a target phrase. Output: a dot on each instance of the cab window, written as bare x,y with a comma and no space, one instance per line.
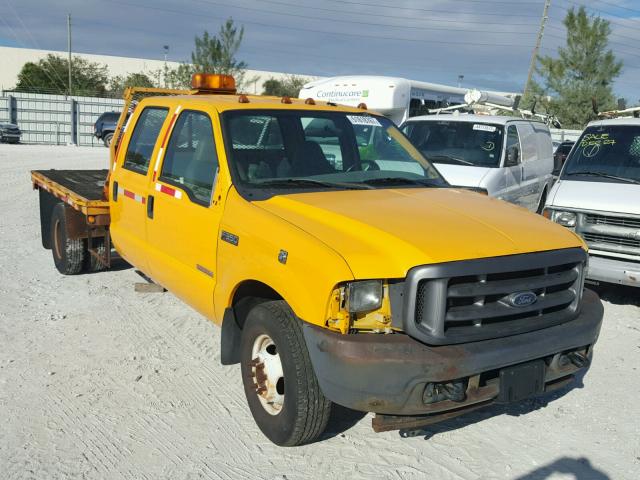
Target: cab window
513,146
191,161
143,139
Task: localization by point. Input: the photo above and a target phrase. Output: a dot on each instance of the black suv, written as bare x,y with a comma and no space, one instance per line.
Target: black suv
9,133
105,126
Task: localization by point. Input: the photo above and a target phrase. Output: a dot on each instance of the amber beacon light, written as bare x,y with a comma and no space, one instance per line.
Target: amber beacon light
209,82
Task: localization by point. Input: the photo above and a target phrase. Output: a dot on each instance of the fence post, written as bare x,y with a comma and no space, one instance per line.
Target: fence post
73,137
13,109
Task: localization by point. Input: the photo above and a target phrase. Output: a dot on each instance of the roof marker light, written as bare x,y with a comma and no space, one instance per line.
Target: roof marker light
242,98
286,100
310,101
362,106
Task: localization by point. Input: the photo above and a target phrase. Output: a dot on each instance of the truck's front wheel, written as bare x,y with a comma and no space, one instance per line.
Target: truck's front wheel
68,254
281,387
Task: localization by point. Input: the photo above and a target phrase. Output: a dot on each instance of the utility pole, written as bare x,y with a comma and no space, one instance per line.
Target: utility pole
536,49
69,48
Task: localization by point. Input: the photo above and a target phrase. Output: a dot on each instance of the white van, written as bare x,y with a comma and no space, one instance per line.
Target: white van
511,158
598,197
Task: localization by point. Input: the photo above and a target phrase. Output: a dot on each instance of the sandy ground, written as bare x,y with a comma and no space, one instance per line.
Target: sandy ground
97,381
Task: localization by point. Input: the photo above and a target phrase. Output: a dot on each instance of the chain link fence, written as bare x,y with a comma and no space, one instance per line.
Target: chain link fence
55,119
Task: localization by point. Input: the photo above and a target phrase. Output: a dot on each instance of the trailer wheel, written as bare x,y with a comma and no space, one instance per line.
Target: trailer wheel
107,139
279,382
68,254
91,263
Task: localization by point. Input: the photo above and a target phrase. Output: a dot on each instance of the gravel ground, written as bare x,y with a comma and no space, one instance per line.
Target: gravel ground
97,381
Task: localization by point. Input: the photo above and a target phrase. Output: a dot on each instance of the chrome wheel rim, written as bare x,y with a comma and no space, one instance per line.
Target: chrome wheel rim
267,374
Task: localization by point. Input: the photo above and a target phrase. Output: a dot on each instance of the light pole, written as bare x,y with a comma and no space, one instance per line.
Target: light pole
166,52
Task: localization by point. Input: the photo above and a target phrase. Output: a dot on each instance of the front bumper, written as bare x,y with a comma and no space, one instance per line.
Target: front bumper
10,137
388,374
613,270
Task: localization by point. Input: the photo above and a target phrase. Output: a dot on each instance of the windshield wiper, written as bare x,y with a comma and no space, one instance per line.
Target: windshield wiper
449,158
308,182
398,181
604,175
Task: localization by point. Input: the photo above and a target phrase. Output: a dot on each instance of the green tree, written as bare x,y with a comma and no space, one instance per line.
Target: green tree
287,87
584,69
212,54
50,75
118,83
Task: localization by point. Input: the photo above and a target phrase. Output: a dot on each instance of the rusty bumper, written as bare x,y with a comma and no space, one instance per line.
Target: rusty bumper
389,374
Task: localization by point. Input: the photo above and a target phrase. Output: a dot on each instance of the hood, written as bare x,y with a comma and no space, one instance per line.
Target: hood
597,196
462,175
383,233
8,125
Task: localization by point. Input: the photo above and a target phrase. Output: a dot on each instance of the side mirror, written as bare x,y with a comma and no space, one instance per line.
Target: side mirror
513,156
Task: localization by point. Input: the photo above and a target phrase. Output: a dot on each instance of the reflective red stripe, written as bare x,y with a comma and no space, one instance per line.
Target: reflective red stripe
166,133
168,190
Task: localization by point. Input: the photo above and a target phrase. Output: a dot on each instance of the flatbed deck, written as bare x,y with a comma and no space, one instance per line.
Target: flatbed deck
81,189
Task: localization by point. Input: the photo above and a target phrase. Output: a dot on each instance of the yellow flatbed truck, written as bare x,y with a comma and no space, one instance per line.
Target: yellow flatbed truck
340,265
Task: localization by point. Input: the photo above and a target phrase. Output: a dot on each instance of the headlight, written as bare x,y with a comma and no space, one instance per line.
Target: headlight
566,219
364,296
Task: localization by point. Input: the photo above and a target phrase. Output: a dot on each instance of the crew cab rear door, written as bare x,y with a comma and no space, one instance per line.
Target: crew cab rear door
130,181
185,211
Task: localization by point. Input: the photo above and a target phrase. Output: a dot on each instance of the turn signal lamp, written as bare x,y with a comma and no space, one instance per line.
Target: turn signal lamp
212,83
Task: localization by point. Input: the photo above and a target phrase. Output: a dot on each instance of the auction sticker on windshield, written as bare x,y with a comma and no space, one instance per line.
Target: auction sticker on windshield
484,128
363,120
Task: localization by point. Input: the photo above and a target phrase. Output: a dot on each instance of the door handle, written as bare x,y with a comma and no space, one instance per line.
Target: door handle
150,206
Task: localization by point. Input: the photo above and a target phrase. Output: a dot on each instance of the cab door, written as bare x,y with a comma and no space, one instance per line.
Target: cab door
130,181
185,212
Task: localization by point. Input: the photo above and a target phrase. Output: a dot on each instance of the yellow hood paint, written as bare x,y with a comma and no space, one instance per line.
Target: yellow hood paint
382,233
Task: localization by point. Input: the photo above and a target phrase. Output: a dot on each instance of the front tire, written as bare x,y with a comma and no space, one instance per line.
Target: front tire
279,382
68,254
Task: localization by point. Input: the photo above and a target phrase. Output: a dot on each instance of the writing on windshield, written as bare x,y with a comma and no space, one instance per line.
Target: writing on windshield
606,153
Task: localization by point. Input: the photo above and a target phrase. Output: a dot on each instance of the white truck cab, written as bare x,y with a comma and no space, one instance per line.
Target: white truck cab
598,196
511,158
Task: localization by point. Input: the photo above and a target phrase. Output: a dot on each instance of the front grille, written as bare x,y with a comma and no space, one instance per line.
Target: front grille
472,300
593,219
612,240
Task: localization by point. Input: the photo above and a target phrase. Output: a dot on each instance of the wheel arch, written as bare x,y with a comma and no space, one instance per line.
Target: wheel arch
246,295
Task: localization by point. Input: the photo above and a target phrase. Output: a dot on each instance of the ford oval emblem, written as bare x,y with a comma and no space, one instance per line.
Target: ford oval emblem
521,299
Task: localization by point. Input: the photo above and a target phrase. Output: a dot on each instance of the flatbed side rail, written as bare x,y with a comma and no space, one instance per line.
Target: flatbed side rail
68,196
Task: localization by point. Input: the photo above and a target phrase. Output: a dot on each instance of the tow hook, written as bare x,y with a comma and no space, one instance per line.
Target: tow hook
578,359
437,392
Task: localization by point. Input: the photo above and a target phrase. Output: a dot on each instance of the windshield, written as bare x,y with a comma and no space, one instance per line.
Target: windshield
457,142
287,149
604,153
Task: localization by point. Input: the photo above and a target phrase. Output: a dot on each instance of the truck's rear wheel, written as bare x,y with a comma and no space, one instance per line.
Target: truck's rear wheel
281,387
92,264
68,254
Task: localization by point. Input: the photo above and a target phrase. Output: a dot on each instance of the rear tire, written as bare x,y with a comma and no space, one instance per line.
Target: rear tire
107,139
92,263
291,409
68,254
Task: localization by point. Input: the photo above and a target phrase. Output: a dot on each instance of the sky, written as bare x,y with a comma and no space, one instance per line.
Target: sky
490,42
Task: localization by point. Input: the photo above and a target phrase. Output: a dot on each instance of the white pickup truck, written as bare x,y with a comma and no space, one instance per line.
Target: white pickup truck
598,196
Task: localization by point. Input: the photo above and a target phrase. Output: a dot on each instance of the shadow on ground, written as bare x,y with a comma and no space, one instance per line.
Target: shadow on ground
580,468
617,294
